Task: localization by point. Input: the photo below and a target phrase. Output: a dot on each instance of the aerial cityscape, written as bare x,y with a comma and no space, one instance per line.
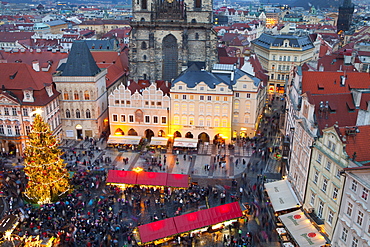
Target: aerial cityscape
185,123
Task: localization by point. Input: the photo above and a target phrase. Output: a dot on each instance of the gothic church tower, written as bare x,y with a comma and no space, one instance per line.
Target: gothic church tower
169,35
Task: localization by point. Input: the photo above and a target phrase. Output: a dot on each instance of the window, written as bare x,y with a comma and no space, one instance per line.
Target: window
65,96
244,85
184,120
164,120
280,58
335,193
6,111
248,95
128,102
360,217
208,122
191,108
295,59
25,112
176,120
88,113
68,114
155,119
365,194
191,96
201,88
184,108
354,185
17,132
324,185
217,122
330,217
177,108
225,99
28,129
87,95
331,146
184,96
237,95
147,119
217,109
273,57
10,132
123,118
224,122
201,121
235,117
328,165
176,96
284,58
146,102
201,108
76,96
209,97
312,201
217,98
78,114
191,120
349,209
319,158
116,102
115,117
236,105
2,129
321,209
316,177
338,174
131,118
354,242
247,118
14,111
209,109
247,105
201,97
344,234
222,89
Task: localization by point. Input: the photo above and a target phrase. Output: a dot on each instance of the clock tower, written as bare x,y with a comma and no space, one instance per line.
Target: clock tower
167,36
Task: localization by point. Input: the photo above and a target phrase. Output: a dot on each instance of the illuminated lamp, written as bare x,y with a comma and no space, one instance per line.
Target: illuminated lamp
138,169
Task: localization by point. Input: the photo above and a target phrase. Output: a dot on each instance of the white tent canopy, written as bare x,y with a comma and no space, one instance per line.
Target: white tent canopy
158,141
281,195
301,229
133,140
185,142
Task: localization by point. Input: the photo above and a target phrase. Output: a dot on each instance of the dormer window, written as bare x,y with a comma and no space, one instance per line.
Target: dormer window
49,91
28,96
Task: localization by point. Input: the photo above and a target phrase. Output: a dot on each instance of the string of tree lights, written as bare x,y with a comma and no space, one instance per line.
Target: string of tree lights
48,179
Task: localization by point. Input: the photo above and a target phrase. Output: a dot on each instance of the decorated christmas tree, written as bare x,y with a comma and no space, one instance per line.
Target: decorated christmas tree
48,179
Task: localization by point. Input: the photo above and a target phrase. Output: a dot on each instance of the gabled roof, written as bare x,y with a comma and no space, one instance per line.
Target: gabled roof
323,82
267,41
357,142
194,75
80,61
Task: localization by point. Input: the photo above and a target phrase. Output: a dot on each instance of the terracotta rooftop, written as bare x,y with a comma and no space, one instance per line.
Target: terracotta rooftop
357,142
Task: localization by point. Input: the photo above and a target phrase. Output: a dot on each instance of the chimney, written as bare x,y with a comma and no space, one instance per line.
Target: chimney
36,65
343,80
347,59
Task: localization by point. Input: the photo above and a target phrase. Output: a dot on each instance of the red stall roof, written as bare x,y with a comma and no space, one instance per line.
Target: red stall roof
157,230
178,180
225,212
152,178
122,177
191,221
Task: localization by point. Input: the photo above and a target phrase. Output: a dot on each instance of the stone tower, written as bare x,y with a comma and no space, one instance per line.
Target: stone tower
345,16
168,36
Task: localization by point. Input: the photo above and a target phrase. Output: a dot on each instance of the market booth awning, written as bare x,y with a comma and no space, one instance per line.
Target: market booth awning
133,140
178,180
281,195
152,178
157,230
302,230
158,141
185,142
121,177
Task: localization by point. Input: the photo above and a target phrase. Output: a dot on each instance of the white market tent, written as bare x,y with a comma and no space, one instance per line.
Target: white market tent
302,230
133,140
185,142
158,141
281,195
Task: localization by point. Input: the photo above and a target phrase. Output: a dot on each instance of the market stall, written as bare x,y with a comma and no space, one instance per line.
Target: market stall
282,196
123,142
184,145
158,143
301,229
195,222
161,179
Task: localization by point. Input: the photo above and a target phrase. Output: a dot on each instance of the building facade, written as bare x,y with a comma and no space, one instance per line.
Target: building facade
25,90
83,101
168,36
325,184
141,111
353,227
345,16
278,53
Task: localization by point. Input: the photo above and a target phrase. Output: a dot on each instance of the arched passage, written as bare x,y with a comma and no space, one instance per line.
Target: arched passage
148,134
204,137
119,131
132,132
177,134
161,133
12,148
189,135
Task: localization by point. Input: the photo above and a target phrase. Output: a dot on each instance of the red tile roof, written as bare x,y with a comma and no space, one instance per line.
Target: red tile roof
15,36
334,62
357,142
322,82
